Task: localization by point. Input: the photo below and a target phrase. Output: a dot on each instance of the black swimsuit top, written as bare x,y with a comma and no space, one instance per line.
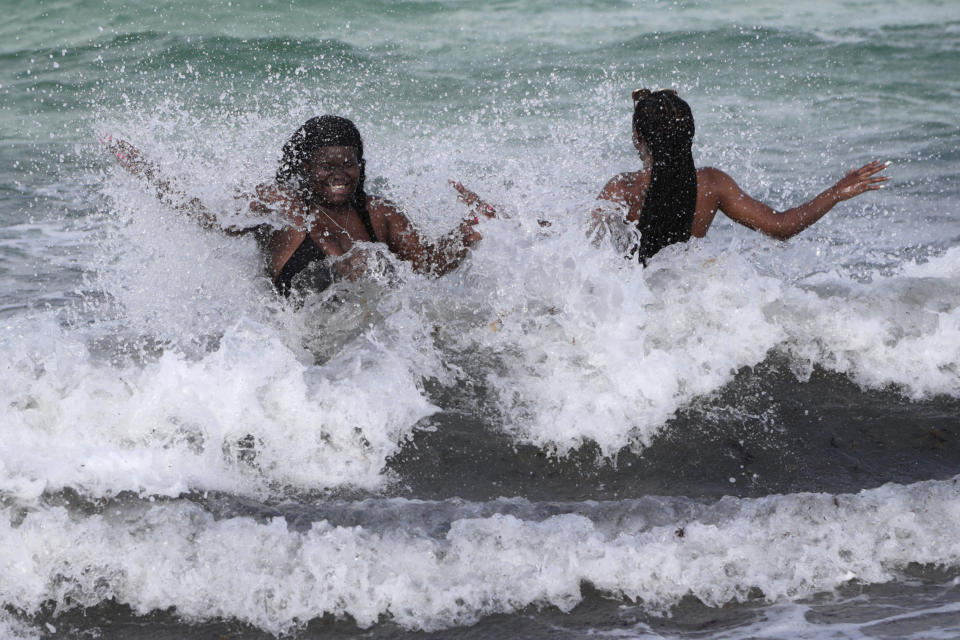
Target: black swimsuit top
310,256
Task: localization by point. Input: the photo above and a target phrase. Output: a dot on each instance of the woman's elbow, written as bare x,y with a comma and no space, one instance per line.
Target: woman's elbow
782,227
780,233
777,230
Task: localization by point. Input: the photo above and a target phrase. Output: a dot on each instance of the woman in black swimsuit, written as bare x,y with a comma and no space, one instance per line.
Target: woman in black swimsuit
669,199
319,195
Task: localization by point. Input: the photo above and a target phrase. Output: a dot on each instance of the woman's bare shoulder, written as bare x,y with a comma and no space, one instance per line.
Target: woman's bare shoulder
712,178
628,178
381,208
622,186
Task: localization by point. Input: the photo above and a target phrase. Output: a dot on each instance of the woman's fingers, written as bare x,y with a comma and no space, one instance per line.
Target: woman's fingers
861,180
471,236
113,145
129,156
487,210
125,152
469,197
869,169
873,167
465,194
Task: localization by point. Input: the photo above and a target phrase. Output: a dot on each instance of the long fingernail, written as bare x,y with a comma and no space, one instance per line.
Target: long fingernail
887,163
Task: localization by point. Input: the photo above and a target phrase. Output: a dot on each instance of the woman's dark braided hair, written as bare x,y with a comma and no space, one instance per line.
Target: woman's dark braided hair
665,123
298,152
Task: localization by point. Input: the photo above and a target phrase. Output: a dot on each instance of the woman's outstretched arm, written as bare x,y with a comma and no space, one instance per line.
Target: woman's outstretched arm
436,258
131,159
717,190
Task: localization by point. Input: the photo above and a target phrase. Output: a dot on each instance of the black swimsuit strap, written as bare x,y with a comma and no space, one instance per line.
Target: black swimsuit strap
307,253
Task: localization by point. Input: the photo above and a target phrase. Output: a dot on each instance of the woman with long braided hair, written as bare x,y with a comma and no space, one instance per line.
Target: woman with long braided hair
669,199
320,198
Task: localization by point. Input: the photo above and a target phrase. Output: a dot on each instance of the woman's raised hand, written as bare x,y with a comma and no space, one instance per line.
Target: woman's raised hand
470,235
861,180
473,200
133,161
129,157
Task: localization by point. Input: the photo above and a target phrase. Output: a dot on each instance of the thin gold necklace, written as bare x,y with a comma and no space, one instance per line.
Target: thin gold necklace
330,218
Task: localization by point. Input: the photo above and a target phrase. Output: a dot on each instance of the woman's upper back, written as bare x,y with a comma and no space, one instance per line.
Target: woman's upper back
630,189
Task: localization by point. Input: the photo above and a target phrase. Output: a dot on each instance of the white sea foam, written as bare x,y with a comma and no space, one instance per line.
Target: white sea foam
901,330
251,414
581,345
590,347
14,629
155,556
189,373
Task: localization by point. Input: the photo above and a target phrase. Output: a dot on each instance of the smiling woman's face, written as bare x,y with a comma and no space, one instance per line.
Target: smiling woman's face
334,175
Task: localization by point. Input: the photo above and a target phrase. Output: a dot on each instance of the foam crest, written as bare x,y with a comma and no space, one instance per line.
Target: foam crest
156,556
580,344
14,629
249,415
901,330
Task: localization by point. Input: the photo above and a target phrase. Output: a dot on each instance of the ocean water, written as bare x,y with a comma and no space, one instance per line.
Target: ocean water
747,439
